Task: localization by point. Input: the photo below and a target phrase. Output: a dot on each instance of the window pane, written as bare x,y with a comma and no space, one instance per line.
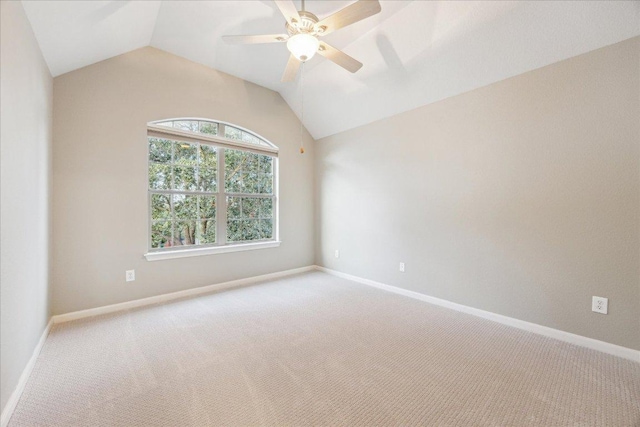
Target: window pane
266,164
159,177
233,160
265,183
249,208
206,231
234,230
159,150
188,125
160,207
234,210
250,229
207,180
232,133
266,208
248,138
234,184
208,156
185,233
266,229
184,178
209,128
185,207
186,154
207,207
250,184
160,234
252,163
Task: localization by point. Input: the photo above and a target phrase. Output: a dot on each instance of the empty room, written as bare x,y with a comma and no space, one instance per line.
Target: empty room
319,213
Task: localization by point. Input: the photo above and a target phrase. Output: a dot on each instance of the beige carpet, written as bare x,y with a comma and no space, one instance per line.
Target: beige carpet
317,350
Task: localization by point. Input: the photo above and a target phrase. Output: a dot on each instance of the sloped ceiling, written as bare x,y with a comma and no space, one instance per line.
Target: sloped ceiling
414,52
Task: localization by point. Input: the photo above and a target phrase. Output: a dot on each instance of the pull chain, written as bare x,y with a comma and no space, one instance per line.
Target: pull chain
302,101
302,109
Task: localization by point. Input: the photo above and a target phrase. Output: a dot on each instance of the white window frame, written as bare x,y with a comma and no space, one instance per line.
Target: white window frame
220,142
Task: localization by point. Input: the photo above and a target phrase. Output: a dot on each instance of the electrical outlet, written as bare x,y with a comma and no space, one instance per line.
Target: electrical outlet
600,305
337,253
402,267
130,275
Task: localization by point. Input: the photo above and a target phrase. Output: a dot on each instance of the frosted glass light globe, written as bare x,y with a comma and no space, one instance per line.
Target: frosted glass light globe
303,46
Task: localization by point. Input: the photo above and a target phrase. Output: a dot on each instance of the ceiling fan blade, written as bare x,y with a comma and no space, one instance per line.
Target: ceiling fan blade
349,15
262,38
339,57
289,10
292,69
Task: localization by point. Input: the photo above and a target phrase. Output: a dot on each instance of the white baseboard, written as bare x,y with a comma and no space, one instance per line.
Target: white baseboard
175,295
7,412
580,340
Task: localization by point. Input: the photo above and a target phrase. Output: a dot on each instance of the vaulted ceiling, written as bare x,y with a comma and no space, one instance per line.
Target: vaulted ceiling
414,52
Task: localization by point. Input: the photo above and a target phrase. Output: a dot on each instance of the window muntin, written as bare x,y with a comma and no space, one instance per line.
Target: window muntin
194,203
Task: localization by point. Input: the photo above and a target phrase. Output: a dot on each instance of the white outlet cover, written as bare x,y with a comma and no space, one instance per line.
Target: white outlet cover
130,275
402,267
337,253
600,305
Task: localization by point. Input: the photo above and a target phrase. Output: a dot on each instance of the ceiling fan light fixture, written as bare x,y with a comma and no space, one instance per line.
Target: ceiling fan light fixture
303,46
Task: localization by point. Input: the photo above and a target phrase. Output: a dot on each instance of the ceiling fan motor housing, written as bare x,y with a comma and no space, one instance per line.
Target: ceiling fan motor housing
306,26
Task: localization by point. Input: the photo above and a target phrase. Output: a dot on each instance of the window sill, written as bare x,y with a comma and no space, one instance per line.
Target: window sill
184,253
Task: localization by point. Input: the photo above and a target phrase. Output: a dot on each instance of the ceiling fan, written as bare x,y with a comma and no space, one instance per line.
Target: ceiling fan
304,30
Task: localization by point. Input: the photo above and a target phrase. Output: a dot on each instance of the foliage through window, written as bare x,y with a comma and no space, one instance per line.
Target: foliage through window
210,184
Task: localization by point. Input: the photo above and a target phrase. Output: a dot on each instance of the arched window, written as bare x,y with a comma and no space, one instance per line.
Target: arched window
212,188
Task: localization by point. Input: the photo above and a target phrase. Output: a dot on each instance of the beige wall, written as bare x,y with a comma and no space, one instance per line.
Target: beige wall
100,177
25,142
521,198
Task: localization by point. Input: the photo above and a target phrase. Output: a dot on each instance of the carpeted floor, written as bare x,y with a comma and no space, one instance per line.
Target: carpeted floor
314,349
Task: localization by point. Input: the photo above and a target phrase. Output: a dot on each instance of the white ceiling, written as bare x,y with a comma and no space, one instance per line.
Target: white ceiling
74,34
414,52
